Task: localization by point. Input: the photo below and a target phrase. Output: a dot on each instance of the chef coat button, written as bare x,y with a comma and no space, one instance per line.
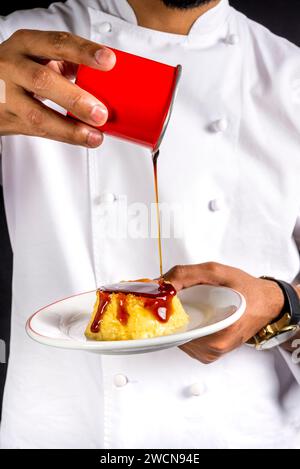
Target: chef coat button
215,205
220,125
106,198
105,27
120,380
197,389
233,39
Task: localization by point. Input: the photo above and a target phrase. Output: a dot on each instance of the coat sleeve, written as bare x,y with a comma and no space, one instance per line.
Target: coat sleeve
2,92
293,360
71,16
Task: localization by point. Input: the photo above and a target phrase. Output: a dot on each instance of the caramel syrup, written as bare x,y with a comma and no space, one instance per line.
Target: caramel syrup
156,296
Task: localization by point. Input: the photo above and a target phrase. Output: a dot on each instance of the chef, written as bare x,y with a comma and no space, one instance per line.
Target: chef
230,158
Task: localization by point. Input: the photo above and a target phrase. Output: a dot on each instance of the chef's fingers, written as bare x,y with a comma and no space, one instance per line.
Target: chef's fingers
34,118
46,83
184,276
66,69
60,45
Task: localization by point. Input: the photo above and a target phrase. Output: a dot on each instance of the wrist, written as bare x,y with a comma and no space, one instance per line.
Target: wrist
274,299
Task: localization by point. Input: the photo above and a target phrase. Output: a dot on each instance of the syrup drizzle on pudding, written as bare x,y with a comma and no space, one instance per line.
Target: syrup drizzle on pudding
156,296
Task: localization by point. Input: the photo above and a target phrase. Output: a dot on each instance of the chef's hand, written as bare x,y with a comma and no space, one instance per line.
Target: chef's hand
40,64
264,300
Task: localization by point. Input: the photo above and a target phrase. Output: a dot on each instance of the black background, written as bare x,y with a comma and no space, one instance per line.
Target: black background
281,16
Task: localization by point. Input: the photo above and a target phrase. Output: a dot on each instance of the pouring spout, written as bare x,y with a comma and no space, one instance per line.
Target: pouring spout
155,155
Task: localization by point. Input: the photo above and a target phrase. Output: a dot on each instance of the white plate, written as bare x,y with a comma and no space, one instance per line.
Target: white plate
62,324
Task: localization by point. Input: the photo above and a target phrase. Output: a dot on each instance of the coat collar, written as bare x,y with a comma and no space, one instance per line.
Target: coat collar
206,24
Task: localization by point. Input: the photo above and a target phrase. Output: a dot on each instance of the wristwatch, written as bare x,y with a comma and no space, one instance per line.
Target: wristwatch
286,326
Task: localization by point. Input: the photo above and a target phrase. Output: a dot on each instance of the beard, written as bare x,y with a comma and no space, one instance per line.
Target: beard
184,4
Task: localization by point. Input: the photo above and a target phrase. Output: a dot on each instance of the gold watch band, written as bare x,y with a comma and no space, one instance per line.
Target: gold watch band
272,330
285,325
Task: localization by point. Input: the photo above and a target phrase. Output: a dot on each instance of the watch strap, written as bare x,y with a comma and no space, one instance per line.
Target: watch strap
291,300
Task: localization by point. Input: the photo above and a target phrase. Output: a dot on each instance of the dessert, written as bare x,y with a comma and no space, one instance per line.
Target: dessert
136,310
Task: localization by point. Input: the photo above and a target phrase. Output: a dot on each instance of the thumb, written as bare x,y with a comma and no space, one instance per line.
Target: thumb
184,276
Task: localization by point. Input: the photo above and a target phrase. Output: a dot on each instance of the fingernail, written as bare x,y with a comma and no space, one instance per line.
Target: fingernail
106,58
99,114
94,139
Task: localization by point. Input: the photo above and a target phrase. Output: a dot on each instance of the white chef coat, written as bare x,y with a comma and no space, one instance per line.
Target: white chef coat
230,157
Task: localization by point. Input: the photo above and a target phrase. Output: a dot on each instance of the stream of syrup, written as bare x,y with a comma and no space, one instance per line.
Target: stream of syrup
156,296
155,158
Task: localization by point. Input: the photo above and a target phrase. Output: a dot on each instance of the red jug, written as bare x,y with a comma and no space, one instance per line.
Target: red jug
139,94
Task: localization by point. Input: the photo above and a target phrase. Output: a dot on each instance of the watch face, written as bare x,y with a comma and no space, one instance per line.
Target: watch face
278,340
